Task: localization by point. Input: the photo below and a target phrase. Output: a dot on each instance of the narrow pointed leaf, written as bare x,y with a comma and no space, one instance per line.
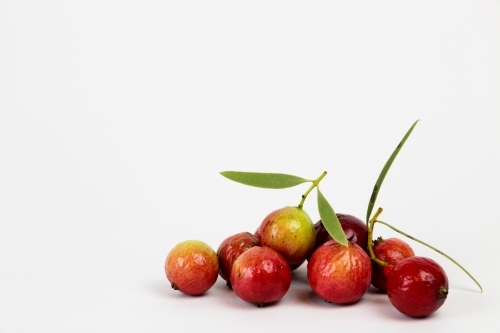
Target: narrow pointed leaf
264,180
330,220
383,173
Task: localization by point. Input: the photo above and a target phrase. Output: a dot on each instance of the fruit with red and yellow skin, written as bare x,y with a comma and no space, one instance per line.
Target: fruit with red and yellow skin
417,286
355,231
339,274
192,267
391,251
292,266
230,249
260,276
289,231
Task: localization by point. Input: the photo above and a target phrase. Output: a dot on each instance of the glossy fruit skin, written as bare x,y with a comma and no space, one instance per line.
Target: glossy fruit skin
290,231
230,249
355,231
261,276
192,267
339,274
390,250
417,286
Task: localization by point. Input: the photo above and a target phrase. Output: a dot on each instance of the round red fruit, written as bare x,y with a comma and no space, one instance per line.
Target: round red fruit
390,250
230,249
339,274
417,286
260,276
192,267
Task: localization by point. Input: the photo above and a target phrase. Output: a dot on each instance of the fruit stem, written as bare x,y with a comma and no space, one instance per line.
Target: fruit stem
433,248
370,237
443,293
314,184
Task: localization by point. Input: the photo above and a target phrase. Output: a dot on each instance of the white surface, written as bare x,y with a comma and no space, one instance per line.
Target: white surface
116,117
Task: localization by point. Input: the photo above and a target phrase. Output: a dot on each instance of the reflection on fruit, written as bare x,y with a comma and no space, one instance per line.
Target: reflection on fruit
192,267
260,276
339,274
417,286
230,249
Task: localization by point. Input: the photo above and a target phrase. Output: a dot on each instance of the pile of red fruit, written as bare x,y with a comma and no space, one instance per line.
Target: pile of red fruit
259,266
342,259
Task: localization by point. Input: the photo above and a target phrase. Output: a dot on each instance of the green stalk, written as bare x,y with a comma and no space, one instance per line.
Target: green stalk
314,184
433,248
370,237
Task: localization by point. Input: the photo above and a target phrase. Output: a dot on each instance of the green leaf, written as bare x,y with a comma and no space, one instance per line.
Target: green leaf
378,184
330,220
264,180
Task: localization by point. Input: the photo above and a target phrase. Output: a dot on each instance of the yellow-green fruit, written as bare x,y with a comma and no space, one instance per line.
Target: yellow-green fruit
289,231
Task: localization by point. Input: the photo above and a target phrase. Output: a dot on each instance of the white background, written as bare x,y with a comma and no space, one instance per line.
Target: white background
116,118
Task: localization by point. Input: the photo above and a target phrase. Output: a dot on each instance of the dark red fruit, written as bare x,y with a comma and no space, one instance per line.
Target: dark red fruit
417,286
339,274
230,249
260,276
390,250
355,231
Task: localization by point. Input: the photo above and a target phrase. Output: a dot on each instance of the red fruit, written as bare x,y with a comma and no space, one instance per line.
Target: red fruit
355,231
417,286
261,276
192,267
339,274
390,250
230,249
